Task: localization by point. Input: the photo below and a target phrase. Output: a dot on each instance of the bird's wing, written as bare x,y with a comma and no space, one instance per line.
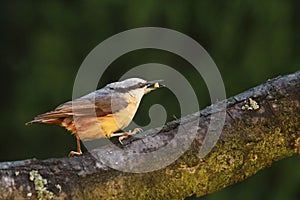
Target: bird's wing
99,103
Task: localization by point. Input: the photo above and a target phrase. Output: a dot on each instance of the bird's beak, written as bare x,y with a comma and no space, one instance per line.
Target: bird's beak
153,85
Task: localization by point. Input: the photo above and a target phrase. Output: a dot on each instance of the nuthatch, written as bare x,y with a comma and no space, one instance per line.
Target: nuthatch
101,113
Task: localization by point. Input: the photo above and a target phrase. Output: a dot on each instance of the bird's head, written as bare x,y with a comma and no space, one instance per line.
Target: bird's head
136,85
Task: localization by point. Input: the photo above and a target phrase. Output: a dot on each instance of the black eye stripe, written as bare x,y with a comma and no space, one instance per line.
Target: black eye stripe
133,87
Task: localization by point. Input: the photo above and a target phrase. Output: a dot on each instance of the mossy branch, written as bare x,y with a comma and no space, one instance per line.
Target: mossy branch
262,125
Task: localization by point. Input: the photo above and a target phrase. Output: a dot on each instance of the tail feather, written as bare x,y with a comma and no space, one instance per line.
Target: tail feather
45,121
53,117
32,122
47,118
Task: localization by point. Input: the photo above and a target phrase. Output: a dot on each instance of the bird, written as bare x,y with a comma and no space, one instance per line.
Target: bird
101,113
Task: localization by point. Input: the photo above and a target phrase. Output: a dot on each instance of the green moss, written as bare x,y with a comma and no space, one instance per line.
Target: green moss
250,105
40,186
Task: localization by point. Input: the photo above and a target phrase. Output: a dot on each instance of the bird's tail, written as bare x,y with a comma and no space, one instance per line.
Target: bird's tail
46,118
44,121
33,122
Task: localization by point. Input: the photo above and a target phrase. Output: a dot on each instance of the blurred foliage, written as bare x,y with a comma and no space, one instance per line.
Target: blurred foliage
43,43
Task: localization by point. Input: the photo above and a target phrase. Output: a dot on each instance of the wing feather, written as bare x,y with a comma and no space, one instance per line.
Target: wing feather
100,102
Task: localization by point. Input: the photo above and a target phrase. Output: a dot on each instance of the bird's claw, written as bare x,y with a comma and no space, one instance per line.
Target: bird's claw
75,153
130,133
136,130
122,138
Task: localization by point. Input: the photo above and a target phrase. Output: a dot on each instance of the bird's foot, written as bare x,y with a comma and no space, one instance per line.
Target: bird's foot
129,133
135,131
75,153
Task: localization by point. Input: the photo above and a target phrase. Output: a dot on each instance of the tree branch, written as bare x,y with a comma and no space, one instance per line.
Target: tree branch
262,125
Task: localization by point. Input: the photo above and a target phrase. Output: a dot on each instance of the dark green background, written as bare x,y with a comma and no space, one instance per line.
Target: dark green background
44,43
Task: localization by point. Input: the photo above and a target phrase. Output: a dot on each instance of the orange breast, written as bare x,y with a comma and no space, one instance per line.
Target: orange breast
89,127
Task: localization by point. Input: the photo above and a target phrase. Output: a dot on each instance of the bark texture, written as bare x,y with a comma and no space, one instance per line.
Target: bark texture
262,125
